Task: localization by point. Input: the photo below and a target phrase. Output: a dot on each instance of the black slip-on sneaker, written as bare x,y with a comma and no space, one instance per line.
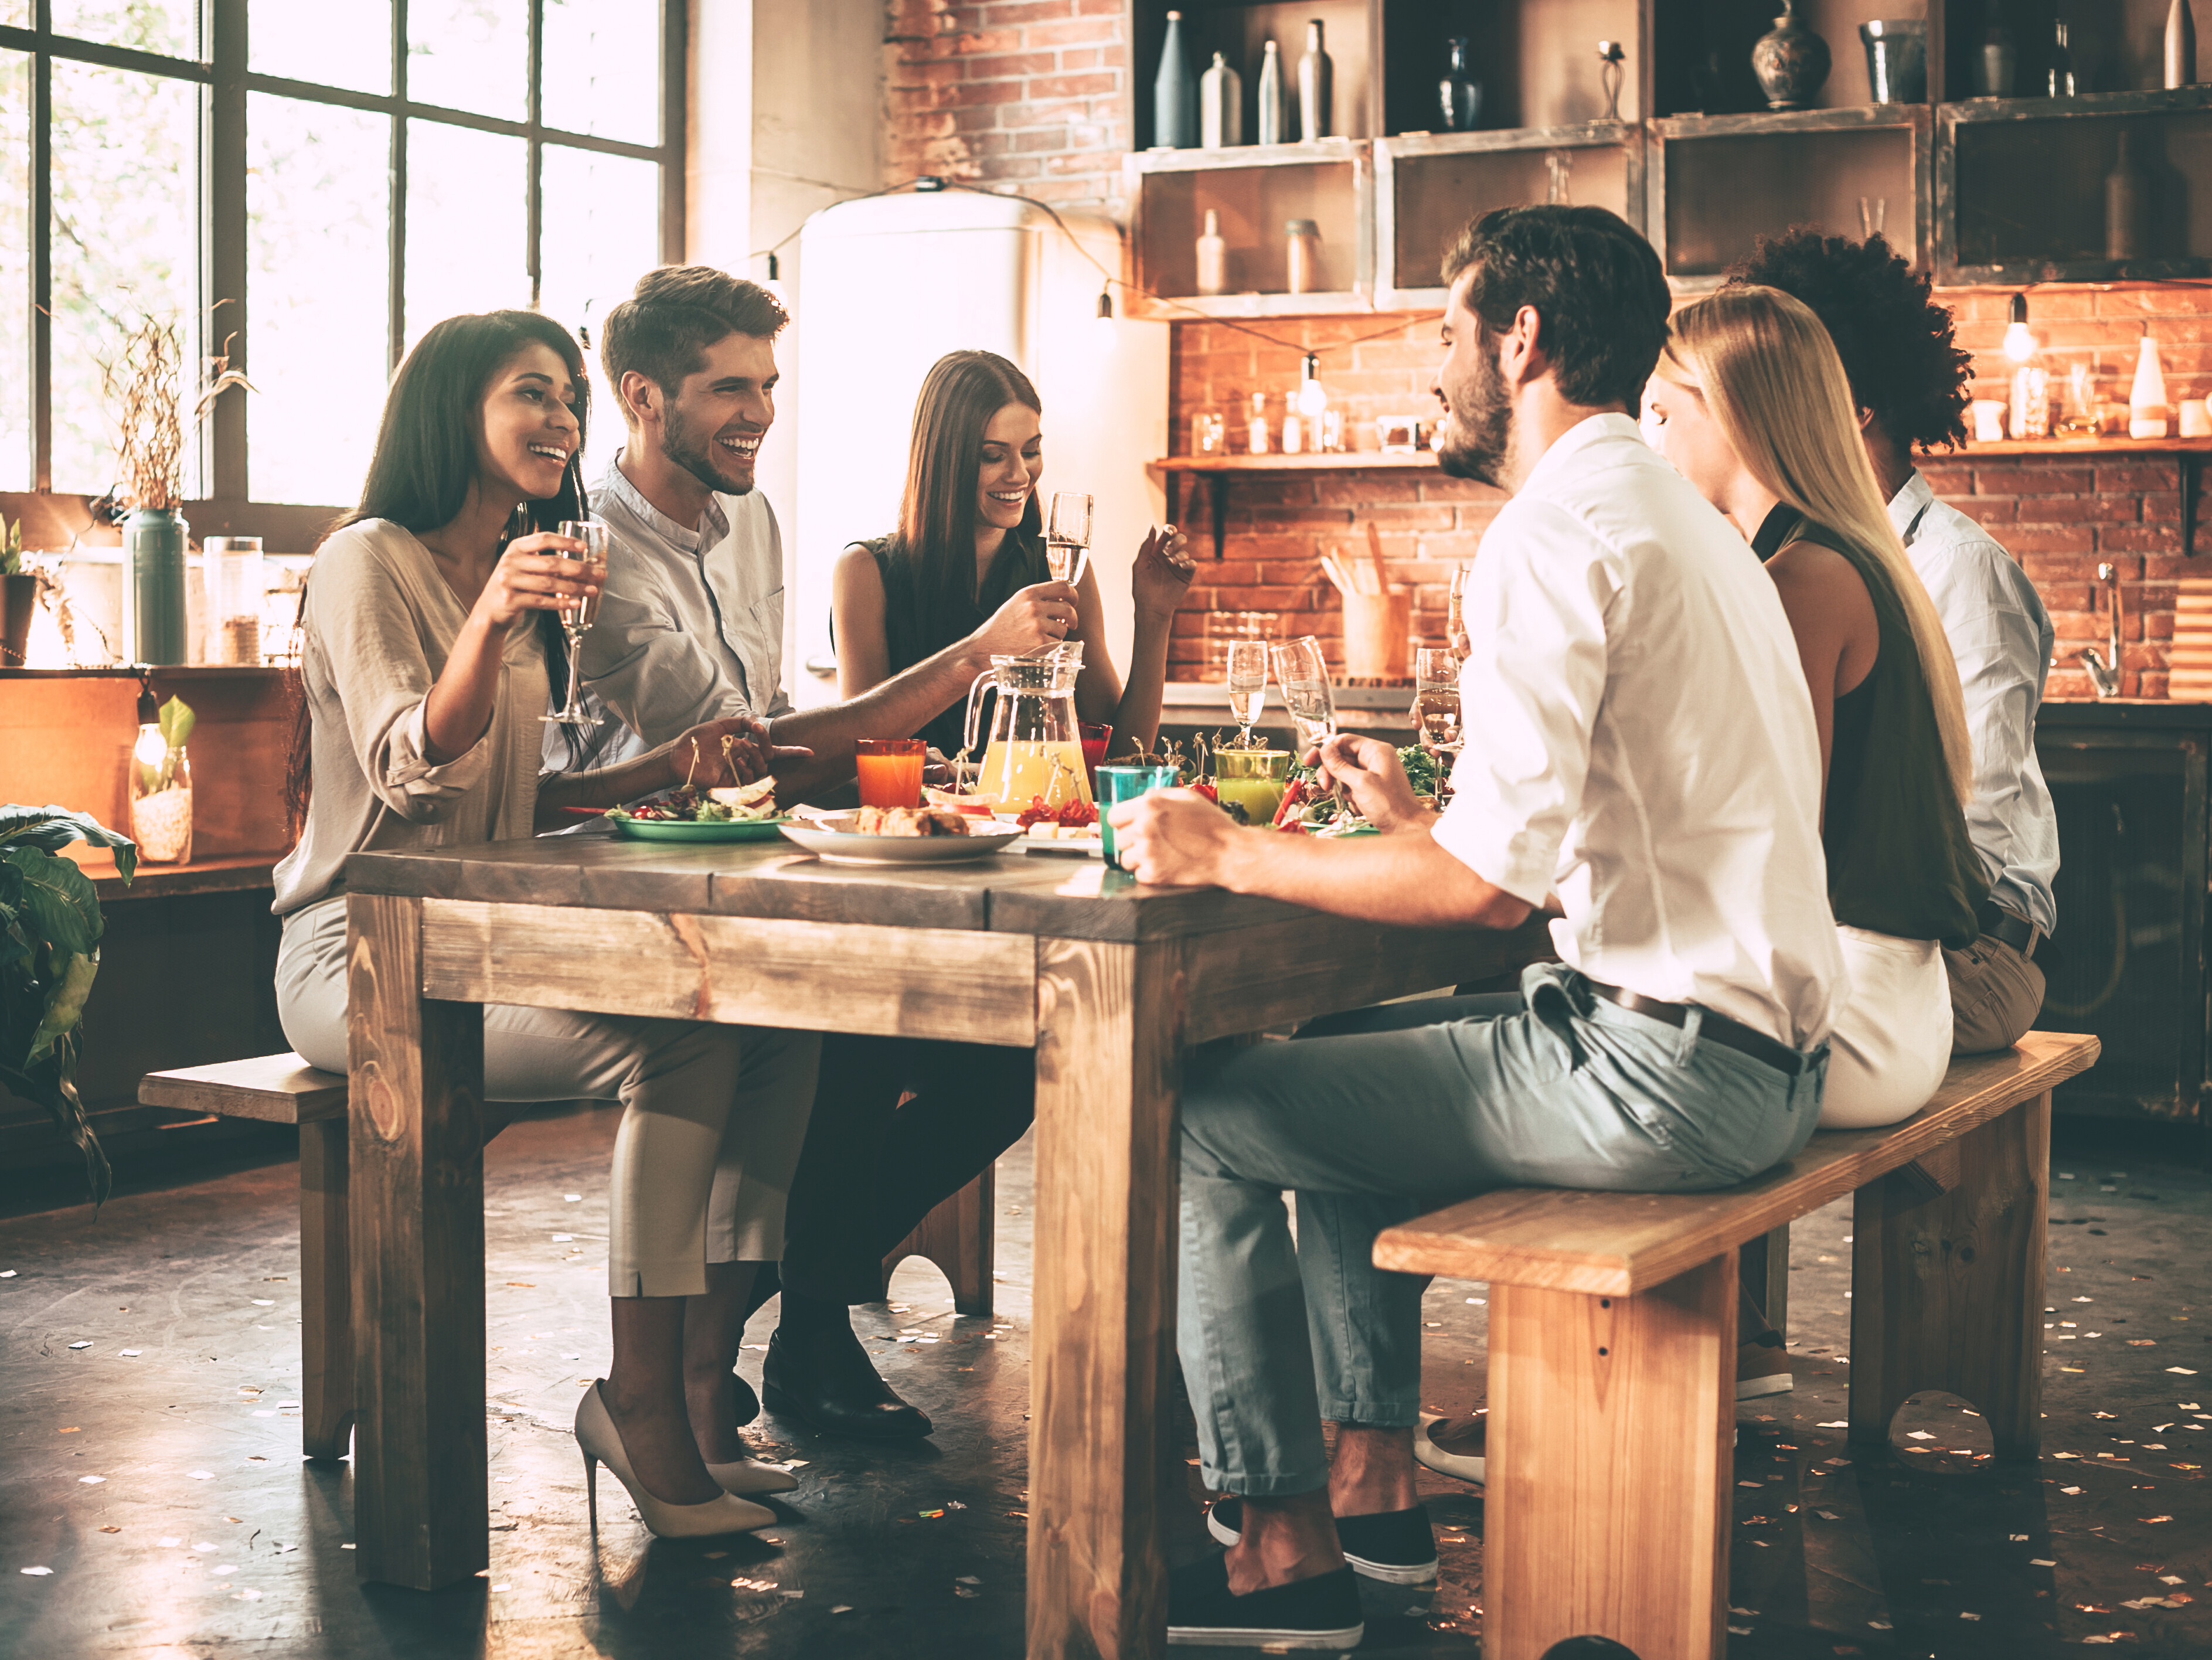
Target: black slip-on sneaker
1397,1548
1321,1613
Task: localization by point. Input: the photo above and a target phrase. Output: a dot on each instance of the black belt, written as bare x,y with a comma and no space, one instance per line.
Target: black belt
1718,1027
1998,923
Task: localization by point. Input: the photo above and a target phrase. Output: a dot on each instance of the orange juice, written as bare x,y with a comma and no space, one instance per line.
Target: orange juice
1014,769
890,771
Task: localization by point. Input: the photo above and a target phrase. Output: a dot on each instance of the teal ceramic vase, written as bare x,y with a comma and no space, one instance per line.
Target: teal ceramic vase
154,558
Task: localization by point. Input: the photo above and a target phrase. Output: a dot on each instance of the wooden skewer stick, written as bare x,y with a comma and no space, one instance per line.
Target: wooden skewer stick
1375,553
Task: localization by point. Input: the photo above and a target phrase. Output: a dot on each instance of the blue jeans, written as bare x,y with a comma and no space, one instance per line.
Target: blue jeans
1373,1118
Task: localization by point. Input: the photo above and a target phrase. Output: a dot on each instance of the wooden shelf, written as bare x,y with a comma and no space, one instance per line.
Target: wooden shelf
1331,461
240,873
2089,446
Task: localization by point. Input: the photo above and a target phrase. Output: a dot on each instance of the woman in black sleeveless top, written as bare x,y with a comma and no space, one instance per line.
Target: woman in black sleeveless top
1750,402
900,1125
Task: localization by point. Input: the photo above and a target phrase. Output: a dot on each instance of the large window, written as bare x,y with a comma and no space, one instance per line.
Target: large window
313,186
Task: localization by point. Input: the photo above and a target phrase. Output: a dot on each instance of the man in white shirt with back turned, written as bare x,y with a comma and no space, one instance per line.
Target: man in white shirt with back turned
1646,751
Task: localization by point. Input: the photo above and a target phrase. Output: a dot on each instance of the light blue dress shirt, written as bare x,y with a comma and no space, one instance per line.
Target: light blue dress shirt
2002,638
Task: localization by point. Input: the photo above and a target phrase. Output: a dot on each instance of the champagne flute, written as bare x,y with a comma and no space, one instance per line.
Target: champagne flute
1067,537
1436,710
1304,673
578,614
1247,685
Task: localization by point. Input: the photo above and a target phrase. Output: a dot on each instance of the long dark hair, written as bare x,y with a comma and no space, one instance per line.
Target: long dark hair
424,462
937,515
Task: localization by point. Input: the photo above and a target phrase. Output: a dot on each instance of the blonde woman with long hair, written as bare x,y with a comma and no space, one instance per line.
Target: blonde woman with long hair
1750,403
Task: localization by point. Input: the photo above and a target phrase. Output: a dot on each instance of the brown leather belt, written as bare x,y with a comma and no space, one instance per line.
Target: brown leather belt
1719,1028
1998,923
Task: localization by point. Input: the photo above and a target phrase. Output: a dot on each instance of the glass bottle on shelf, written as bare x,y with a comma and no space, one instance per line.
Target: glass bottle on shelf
1315,75
1301,256
1212,256
2180,46
1209,433
1175,92
1220,106
2060,78
2148,415
1459,95
2077,417
1270,94
1256,430
1996,61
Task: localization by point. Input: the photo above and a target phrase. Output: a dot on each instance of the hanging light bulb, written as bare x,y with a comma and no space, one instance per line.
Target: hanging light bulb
2018,344
774,283
1105,311
1313,401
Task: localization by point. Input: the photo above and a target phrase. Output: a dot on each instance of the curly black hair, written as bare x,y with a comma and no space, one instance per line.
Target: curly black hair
1899,345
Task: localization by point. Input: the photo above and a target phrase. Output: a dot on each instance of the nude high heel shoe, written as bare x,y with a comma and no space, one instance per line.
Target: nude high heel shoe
749,1476
602,1443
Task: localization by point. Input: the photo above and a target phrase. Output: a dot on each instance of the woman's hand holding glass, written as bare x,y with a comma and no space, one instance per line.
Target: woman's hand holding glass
1160,576
538,572
1034,619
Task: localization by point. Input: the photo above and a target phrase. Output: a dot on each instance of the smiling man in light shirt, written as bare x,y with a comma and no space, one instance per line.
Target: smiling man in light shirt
1648,754
692,615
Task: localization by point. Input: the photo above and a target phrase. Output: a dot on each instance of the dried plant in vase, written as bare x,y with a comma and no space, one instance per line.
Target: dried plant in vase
144,388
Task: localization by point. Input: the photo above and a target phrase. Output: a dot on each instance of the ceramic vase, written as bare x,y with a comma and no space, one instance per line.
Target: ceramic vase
1790,60
154,554
19,598
1459,95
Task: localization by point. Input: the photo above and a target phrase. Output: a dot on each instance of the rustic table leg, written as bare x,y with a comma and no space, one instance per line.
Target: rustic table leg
1947,1262
1108,1025
325,1291
1608,1503
421,1501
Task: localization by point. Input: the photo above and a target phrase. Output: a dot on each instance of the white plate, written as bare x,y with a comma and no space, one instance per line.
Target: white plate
829,838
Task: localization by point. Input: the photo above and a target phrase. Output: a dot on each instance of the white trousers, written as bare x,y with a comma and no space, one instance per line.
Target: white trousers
1892,1042
713,1115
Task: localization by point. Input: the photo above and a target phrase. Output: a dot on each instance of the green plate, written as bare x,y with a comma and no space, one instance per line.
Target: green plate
678,829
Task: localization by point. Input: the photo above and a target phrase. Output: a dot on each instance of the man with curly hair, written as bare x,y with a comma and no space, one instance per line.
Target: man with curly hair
1909,379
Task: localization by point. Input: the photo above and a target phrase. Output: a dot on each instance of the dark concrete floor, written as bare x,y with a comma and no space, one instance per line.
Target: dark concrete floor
154,1503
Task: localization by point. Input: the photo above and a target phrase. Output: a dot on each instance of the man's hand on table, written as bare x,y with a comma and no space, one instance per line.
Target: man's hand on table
1176,838
735,750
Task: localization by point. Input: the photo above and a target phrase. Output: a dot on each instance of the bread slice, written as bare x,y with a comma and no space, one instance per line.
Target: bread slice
744,795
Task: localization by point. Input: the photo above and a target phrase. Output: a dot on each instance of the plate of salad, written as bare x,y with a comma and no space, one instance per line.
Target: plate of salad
744,812
1309,808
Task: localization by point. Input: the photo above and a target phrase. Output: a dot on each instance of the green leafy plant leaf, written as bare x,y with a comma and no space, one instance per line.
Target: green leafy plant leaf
53,828
177,721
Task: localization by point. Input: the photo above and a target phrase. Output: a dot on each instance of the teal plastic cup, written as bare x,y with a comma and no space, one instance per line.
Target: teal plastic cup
1117,784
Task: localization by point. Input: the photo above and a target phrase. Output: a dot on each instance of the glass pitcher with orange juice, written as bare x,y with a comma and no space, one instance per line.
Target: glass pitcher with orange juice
1035,747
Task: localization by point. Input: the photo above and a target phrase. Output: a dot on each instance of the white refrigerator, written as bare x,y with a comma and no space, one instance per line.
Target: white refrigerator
890,284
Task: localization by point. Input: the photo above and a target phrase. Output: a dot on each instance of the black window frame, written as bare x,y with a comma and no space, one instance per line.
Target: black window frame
221,68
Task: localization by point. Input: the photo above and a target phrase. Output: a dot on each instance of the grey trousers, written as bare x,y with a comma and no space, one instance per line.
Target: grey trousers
713,1115
1996,994
1376,1116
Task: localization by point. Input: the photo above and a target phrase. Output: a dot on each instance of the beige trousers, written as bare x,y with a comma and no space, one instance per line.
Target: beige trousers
713,1115
1996,994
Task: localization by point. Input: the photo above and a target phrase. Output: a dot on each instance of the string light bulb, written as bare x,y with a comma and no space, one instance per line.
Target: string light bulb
2018,344
1313,401
774,283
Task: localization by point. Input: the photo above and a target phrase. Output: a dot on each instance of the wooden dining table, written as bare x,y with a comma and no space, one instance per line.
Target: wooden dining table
1109,981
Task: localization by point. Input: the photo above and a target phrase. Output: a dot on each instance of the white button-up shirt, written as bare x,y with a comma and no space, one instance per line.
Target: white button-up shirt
690,625
1640,742
2001,636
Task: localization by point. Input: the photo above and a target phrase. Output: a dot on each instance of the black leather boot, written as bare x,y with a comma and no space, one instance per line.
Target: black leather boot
824,1378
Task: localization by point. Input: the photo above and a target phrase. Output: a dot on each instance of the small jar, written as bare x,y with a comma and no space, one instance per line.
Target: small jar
161,799
1302,255
1209,433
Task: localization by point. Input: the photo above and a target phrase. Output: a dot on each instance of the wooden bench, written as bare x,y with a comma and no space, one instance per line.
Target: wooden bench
1612,1344
282,1089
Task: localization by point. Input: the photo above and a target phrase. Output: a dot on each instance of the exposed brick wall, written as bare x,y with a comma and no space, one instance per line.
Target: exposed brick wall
1031,95
2059,516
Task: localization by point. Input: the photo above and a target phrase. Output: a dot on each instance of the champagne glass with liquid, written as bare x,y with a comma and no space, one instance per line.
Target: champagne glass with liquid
1303,674
1437,711
1067,537
1247,685
578,614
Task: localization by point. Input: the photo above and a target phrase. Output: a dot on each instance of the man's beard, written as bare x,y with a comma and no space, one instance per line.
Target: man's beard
696,455
1481,433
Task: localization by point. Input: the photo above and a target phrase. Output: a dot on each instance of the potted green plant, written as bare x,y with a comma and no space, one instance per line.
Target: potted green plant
19,594
50,928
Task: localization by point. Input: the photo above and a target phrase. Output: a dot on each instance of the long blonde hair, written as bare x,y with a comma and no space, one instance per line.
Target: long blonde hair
1769,375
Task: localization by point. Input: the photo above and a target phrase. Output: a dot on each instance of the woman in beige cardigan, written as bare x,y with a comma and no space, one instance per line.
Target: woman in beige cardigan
431,648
